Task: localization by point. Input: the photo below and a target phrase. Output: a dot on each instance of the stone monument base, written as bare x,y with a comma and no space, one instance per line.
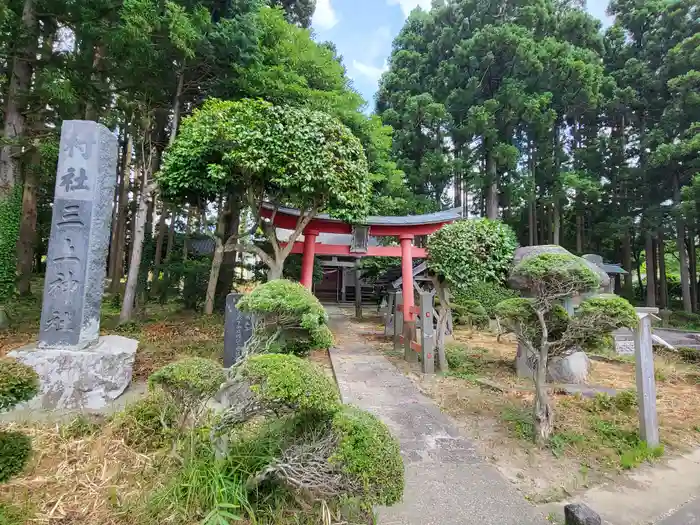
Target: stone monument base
80,379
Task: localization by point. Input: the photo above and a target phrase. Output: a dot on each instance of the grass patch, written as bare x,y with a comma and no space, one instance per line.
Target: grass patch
13,515
519,422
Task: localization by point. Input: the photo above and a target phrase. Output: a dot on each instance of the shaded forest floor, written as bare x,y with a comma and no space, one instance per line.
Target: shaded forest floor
595,439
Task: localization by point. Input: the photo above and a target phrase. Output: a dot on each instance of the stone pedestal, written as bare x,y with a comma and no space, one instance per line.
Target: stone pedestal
80,379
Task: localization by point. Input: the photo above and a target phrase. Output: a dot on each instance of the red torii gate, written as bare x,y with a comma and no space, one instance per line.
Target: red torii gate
405,228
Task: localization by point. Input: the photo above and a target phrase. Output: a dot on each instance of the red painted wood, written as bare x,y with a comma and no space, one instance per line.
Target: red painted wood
307,260
415,309
407,276
372,251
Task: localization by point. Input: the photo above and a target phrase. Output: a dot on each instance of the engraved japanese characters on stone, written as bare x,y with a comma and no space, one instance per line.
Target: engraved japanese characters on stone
79,239
73,181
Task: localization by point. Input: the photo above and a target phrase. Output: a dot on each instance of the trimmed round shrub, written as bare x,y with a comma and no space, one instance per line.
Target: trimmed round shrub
487,293
296,382
276,383
555,275
289,319
18,383
15,449
352,459
369,453
470,313
147,424
188,384
472,250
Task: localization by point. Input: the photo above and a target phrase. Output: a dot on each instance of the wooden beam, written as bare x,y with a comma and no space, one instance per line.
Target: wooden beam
372,251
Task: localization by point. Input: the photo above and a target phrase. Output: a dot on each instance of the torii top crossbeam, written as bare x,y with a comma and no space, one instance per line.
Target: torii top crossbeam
405,228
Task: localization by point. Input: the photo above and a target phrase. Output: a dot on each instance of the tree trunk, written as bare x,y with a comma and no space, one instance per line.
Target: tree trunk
217,259
556,223
14,119
458,190
542,410
651,270
27,230
274,271
682,255
492,181
663,285
132,280
120,227
159,243
532,222
579,232
628,288
693,268
188,222
228,266
114,237
177,106
638,265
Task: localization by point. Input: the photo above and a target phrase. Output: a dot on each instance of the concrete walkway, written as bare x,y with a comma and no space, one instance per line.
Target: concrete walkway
446,481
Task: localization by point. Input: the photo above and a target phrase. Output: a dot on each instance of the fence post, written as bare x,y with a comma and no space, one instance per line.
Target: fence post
646,383
398,320
390,318
427,333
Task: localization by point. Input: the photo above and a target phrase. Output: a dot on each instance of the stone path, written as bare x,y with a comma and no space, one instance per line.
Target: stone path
447,483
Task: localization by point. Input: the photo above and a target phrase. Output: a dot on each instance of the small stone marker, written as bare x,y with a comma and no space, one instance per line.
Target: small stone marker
238,329
580,514
646,382
79,239
77,368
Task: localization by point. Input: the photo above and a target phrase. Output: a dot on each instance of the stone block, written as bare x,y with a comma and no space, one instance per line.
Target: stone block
580,514
571,369
80,379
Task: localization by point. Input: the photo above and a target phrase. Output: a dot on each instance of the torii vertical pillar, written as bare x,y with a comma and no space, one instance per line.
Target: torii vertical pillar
307,260
409,324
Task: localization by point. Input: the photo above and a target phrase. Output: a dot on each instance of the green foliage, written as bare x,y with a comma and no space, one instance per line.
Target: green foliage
289,318
639,454
79,427
18,383
188,385
470,313
292,381
294,156
292,268
631,449
519,422
463,361
368,452
689,355
10,213
516,310
471,250
607,310
487,294
552,275
12,515
147,424
624,401
15,449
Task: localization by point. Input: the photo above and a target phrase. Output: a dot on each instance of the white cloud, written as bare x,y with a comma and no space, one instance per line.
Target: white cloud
325,17
409,5
368,70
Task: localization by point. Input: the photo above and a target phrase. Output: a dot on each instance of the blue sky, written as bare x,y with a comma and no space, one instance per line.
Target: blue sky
364,29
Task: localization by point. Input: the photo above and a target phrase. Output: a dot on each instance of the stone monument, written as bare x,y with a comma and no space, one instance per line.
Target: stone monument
238,329
77,367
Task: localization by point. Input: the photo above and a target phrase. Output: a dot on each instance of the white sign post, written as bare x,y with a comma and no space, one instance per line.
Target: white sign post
646,383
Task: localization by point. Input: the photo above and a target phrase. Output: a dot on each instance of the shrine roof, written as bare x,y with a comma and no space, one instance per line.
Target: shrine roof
386,220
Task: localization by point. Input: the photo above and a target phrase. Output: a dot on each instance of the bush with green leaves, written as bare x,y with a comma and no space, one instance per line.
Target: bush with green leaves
352,458
289,319
544,329
147,424
18,383
15,449
276,383
487,293
472,250
188,384
469,313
